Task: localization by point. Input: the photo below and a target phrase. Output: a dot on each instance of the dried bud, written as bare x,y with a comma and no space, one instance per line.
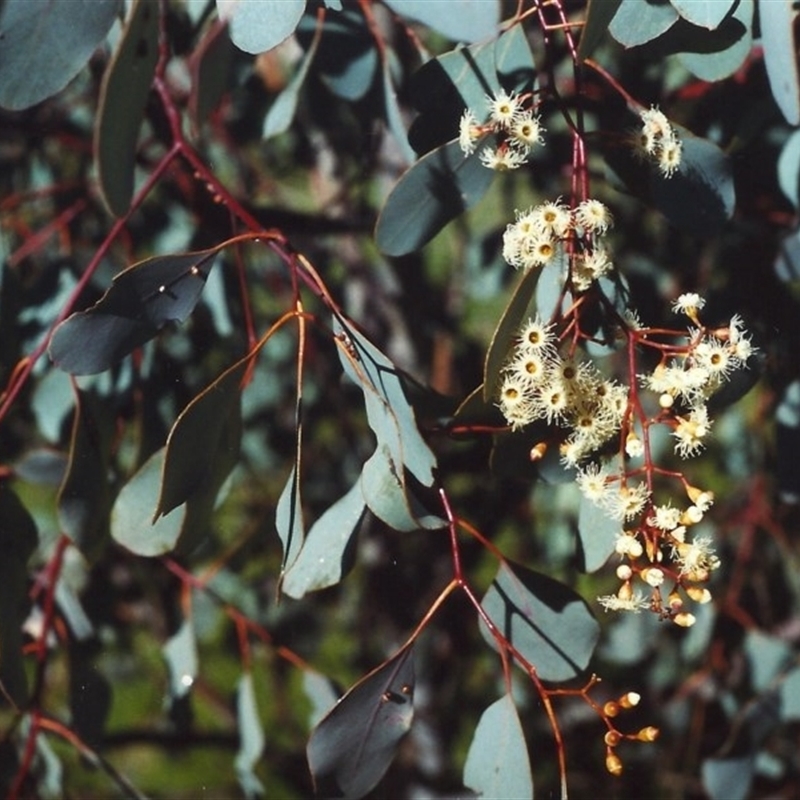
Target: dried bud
648,734
538,451
613,764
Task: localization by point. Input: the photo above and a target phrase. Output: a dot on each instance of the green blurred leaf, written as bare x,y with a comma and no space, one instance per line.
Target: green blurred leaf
258,27
180,653
326,555
497,761
123,98
640,21
251,738
599,14
44,49
322,694
206,432
213,66
84,501
90,694
18,539
789,168
439,187
394,119
598,534
475,19
705,13
767,656
141,300
353,746
728,778
549,624
132,523
507,328
790,696
780,56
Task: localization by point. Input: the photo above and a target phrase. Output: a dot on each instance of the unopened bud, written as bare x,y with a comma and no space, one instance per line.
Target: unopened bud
696,494
611,709
613,764
684,619
691,516
699,594
612,738
648,734
630,699
633,445
538,451
666,400
625,591
674,601
624,572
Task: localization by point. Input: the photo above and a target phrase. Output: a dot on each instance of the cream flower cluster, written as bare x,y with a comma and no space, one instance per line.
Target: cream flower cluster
516,131
659,141
538,234
537,383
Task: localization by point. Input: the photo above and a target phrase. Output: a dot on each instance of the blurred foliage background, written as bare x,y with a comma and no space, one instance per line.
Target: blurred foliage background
105,641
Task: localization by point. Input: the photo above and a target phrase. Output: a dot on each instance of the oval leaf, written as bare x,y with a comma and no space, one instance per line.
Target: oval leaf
476,19
123,97
67,33
598,17
598,534
546,622
638,22
705,13
497,762
780,56
251,738
441,185
140,301
256,27
353,746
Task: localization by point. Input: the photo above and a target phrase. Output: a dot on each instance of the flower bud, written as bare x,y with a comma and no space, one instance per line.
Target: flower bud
666,400
612,738
611,709
613,764
648,734
684,619
624,572
699,594
538,451
630,700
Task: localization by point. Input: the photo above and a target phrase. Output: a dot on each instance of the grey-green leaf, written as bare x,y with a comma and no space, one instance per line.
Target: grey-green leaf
180,653
256,27
497,764
705,13
251,738
640,21
289,520
780,56
474,20
598,533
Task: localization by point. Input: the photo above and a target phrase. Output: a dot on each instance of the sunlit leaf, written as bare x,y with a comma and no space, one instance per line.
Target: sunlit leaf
123,96
84,502
141,300
547,623
180,653
206,431
251,738
728,778
326,555
512,318
68,33
497,761
256,27
598,533
289,520
353,746
780,56
705,13
18,540
476,19
132,515
640,21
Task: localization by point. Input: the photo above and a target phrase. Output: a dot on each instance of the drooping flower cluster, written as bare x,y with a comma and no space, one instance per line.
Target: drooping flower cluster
537,383
538,234
514,128
659,141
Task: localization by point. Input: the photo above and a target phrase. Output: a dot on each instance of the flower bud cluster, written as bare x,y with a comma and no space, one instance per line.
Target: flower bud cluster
538,234
515,128
659,141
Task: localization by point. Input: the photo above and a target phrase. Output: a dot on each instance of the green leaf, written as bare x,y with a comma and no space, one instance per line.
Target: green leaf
18,539
599,14
213,65
141,300
767,656
507,328
640,21
282,111
497,761
728,778
546,622
394,119
321,693
353,746
132,515
90,694
439,187
256,27
180,653
699,198
42,52
705,13
84,502
389,412
206,432
789,169
289,520
720,57
123,98
475,19
598,534
251,738
326,555
790,696
780,56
